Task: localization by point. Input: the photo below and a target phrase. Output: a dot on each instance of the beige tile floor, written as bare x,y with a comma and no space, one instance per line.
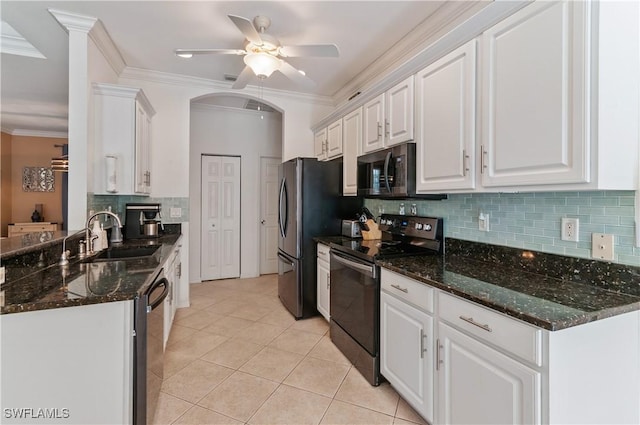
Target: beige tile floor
236,356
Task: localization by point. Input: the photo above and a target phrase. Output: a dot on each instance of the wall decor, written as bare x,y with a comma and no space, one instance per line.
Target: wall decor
37,179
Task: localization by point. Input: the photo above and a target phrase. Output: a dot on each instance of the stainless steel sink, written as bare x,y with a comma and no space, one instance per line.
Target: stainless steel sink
124,253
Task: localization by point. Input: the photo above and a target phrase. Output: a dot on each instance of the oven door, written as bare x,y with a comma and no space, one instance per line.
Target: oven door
355,300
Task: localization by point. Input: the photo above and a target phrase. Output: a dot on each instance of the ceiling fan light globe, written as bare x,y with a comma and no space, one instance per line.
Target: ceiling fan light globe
262,64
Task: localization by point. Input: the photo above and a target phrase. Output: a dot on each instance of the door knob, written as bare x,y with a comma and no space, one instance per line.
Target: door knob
263,221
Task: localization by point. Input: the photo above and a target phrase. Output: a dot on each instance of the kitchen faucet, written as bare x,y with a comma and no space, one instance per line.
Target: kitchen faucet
88,228
64,257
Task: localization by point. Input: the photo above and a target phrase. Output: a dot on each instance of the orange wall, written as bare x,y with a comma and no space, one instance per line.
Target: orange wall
27,151
5,183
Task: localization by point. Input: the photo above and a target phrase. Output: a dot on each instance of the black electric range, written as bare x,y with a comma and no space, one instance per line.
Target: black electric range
355,284
401,236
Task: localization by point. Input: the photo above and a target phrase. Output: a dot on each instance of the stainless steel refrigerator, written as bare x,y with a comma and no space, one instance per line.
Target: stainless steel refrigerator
310,205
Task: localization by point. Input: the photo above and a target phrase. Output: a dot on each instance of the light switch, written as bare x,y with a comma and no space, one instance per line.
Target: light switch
176,212
602,246
2,275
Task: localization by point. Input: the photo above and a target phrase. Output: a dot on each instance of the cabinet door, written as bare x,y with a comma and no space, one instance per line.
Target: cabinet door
351,141
406,352
320,143
535,115
323,287
445,124
373,137
334,139
479,385
142,161
398,124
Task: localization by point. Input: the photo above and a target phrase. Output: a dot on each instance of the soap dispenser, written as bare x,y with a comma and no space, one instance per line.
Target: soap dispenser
96,232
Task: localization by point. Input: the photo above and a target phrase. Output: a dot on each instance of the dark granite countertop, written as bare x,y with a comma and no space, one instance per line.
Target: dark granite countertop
550,291
17,245
83,283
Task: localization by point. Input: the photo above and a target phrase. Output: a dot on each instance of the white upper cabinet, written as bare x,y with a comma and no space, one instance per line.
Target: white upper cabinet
556,103
446,122
320,144
334,139
122,129
399,113
388,118
373,136
352,140
535,113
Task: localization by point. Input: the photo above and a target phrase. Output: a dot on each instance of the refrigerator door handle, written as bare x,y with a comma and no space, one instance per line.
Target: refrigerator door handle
280,198
285,223
285,260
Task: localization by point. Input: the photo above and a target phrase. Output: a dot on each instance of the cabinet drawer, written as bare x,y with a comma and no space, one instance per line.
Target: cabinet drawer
511,335
323,252
412,291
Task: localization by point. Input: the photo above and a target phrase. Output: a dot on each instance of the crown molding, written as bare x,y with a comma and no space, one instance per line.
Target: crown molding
96,31
219,86
419,38
467,30
107,47
25,132
73,21
14,43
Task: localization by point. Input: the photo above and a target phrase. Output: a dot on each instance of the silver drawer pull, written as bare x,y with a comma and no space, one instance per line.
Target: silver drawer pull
405,290
473,322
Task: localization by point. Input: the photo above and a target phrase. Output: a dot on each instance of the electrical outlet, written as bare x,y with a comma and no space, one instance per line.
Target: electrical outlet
483,222
602,246
569,230
176,212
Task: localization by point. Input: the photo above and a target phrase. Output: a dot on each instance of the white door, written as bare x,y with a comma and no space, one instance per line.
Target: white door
479,385
406,354
220,242
446,122
269,215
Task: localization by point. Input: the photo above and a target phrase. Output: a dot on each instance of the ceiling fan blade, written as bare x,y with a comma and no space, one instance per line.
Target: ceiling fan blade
243,78
246,27
187,52
294,75
316,50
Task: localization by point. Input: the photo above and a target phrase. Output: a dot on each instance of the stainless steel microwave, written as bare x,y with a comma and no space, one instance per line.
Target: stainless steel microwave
390,173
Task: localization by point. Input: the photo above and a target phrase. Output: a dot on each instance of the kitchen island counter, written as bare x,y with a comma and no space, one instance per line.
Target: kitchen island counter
41,287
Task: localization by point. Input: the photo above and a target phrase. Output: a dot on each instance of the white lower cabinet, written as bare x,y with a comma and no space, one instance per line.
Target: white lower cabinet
406,336
457,362
323,283
480,385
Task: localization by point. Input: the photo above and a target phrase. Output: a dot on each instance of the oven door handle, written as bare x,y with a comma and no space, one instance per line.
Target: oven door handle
366,269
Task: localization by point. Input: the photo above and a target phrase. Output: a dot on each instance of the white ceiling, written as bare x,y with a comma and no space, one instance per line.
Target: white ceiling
34,91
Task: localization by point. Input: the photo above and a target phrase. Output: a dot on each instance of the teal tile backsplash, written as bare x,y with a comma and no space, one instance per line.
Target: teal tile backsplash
532,220
118,203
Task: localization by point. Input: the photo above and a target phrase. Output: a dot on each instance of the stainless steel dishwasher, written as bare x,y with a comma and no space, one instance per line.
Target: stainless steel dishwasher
149,351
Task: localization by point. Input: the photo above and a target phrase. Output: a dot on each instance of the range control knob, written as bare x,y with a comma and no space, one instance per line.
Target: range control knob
427,227
418,226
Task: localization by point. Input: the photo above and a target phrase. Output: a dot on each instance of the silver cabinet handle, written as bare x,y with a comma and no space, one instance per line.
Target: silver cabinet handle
465,158
263,221
483,163
399,288
328,281
474,323
213,225
438,358
386,128
379,130
423,350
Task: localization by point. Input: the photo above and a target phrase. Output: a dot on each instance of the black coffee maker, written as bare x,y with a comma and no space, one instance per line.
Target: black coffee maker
142,221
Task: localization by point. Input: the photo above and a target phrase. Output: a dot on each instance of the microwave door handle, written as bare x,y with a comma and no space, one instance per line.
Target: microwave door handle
387,160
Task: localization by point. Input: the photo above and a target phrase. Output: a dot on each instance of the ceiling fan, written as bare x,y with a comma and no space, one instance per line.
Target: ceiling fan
263,53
